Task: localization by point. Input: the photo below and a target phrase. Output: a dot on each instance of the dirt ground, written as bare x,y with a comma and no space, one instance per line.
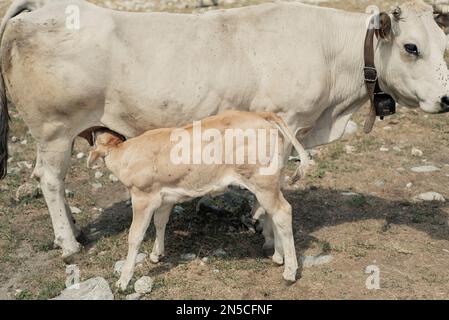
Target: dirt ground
378,223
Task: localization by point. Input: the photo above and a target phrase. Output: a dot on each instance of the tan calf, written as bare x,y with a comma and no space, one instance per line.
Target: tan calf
145,166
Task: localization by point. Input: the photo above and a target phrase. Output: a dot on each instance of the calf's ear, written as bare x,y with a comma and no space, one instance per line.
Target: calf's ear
443,22
92,158
384,30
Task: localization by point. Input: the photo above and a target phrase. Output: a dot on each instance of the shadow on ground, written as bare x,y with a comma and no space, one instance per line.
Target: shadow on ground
203,232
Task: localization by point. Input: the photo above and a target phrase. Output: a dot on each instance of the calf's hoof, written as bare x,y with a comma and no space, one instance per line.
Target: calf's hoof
155,258
122,284
268,249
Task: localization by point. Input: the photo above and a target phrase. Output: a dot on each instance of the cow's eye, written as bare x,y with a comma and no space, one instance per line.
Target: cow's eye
411,49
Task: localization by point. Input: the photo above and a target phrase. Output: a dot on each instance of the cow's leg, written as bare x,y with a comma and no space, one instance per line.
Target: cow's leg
53,162
258,213
143,208
281,213
161,217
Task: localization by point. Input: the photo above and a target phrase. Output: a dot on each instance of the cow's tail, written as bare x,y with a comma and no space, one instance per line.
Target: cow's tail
16,8
288,134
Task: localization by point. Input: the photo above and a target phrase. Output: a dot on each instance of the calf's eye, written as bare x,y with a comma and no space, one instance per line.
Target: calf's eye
411,49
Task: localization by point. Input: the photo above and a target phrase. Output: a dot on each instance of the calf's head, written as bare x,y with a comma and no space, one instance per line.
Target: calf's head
104,142
410,58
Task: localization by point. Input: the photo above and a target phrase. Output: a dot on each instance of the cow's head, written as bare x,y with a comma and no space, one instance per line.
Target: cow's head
411,57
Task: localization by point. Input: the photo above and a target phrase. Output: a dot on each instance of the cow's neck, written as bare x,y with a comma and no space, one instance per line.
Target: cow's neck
345,62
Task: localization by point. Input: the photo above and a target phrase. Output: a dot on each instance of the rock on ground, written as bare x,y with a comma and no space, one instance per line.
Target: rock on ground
75,210
113,178
422,169
118,266
98,174
80,155
430,196
133,296
144,285
92,289
188,256
310,261
416,152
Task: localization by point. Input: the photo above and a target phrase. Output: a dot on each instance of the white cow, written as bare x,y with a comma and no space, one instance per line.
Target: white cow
132,72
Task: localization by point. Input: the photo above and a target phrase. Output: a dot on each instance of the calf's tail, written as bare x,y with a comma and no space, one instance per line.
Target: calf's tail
288,134
16,8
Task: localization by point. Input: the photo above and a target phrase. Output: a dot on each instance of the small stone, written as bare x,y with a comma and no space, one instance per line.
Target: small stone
430,196
98,174
205,260
75,210
113,178
216,271
133,296
80,155
397,149
409,185
387,128
422,169
141,258
349,149
188,256
118,266
97,186
24,142
219,253
416,152
14,139
349,194
144,285
383,149
379,183
310,261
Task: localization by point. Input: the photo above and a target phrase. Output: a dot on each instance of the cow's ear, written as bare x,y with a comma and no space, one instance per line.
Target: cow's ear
443,22
384,26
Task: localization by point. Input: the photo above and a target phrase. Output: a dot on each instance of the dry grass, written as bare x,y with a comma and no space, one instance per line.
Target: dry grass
409,242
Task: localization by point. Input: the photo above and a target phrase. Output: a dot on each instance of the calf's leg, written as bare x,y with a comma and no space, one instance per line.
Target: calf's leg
280,212
143,208
161,217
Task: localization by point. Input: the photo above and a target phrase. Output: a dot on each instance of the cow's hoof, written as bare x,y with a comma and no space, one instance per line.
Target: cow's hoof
278,259
289,277
69,254
154,258
268,249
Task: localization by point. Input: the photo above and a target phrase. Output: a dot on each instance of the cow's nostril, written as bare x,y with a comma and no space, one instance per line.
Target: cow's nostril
445,101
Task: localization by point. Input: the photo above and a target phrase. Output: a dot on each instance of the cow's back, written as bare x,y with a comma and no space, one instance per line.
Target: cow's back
134,72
